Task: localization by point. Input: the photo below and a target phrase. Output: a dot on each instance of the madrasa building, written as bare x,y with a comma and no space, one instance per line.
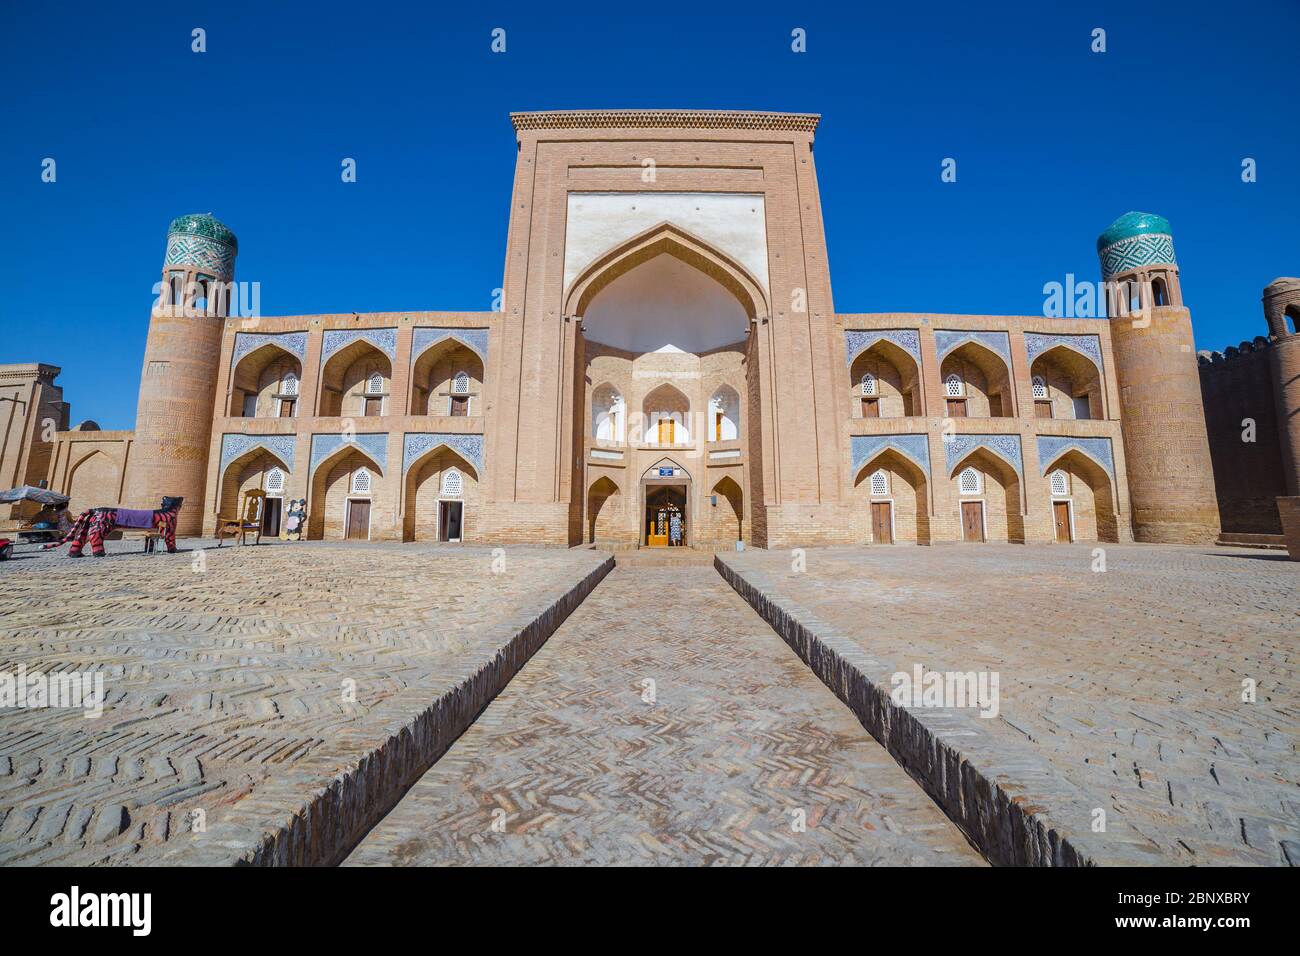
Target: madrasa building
667,367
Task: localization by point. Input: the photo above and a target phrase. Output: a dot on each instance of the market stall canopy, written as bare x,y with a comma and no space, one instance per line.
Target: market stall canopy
41,496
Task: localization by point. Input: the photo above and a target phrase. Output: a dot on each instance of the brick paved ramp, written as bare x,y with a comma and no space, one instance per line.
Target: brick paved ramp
571,765
226,691
1120,690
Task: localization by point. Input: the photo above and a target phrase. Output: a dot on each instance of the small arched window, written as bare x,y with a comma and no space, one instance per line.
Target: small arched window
275,482
460,383
361,481
953,387
968,482
1159,292
290,384
868,383
880,483
1135,297
1060,482
375,383
1040,387
451,483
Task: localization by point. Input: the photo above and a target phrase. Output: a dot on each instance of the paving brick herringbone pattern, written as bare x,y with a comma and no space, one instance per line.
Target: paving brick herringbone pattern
665,723
271,664
1128,681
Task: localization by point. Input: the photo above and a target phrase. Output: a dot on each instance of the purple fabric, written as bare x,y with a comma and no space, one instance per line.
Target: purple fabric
134,518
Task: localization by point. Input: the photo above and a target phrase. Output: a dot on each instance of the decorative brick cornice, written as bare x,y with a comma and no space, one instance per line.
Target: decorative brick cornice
665,119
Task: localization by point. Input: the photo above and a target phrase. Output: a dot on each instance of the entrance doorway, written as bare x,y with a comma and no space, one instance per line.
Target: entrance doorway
1061,516
358,519
450,517
271,516
972,521
665,516
882,522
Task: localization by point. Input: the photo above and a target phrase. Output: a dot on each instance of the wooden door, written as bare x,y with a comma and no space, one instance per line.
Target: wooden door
666,431
1061,514
956,408
286,408
1042,409
871,408
459,406
374,407
882,525
972,521
717,426
358,520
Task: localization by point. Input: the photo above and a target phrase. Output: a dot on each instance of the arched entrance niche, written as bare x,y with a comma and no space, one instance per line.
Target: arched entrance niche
604,510
666,487
1089,494
890,495
248,472
334,484
982,380
441,498
619,314
727,525
93,482
265,384
356,382
447,379
996,491
1066,384
885,383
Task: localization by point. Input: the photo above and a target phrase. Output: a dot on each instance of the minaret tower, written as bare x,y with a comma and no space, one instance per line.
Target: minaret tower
173,421
1282,301
1170,478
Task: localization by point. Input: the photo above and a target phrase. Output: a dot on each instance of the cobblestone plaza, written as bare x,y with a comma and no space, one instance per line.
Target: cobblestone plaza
273,704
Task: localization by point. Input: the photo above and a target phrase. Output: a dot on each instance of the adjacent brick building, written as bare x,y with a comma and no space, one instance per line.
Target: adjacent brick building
668,367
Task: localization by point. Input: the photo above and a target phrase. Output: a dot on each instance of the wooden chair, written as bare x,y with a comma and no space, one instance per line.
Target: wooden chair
251,520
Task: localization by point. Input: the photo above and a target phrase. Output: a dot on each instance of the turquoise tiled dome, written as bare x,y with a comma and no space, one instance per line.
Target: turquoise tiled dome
1133,224
206,225
1134,241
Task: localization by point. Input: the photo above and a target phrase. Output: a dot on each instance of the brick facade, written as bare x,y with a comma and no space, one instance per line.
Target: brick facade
772,440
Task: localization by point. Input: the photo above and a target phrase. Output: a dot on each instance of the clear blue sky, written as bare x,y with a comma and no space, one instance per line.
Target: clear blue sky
1052,143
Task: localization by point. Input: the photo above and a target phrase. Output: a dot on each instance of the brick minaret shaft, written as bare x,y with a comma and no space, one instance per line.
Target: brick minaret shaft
173,422
1282,299
1171,479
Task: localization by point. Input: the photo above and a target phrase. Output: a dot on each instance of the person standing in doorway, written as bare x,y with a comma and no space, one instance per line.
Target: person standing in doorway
675,529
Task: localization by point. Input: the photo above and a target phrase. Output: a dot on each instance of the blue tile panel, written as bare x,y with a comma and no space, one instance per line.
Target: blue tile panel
945,340
423,339
1051,447
374,445
469,447
858,341
1006,447
1036,343
914,447
281,446
295,343
383,339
